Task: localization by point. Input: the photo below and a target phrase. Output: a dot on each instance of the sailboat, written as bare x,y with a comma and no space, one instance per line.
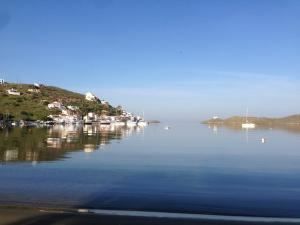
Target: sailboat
142,122
248,125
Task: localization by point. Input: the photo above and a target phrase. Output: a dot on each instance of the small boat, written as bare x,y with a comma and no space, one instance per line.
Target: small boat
167,128
105,122
131,123
248,125
119,123
49,123
142,123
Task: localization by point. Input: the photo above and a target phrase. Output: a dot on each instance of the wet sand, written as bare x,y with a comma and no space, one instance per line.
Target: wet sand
31,216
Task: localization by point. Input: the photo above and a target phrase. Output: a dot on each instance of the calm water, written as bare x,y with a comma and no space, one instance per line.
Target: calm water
190,168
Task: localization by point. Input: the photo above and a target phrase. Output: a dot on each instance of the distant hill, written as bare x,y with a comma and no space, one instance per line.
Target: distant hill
259,121
31,105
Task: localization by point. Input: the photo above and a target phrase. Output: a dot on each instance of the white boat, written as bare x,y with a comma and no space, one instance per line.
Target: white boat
142,123
119,123
130,123
248,125
104,122
167,128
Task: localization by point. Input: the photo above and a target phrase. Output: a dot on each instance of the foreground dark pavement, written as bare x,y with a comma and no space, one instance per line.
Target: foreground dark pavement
38,217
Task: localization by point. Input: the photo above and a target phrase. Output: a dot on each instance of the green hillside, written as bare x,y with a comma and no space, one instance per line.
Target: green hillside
33,106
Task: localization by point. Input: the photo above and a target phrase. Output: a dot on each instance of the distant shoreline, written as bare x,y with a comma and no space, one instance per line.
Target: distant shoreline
293,120
153,121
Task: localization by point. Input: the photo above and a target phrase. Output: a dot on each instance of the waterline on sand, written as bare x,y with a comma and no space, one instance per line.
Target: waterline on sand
168,215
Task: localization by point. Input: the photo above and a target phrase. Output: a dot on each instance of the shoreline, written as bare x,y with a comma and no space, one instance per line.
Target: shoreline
17,215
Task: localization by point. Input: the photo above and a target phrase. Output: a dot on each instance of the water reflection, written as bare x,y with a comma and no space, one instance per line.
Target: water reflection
52,143
291,128
187,169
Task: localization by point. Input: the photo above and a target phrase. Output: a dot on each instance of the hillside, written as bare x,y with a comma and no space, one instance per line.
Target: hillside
259,121
33,106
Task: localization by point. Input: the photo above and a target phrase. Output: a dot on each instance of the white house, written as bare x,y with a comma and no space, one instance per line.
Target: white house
66,112
13,91
34,90
64,118
2,81
90,117
56,105
73,108
36,85
103,102
91,97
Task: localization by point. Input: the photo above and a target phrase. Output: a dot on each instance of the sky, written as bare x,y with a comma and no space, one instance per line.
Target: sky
183,60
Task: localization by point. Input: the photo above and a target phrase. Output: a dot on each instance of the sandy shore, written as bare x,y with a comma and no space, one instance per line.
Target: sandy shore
31,216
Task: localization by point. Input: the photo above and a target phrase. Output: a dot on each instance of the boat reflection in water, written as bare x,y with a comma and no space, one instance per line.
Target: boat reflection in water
52,143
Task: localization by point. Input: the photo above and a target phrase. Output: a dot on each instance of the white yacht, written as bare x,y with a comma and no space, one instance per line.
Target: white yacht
105,122
131,123
142,123
119,123
248,125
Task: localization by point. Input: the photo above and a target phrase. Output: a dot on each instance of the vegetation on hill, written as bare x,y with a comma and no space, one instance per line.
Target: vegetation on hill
33,106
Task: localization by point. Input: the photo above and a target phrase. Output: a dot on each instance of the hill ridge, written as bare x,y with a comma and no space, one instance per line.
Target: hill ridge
32,102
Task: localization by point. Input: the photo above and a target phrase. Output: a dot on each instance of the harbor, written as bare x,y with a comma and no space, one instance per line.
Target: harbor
88,108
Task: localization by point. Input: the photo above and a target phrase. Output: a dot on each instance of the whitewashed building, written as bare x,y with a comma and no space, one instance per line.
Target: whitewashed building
90,117
56,105
36,85
34,90
2,81
65,119
103,102
91,97
13,91
73,108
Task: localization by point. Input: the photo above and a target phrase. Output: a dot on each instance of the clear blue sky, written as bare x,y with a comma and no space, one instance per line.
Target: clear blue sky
178,59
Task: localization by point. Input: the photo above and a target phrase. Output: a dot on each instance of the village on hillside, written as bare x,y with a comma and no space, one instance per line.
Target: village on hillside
61,112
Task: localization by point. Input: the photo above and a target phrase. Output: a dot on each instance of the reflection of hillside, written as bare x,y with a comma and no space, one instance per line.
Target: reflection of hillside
286,127
49,144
